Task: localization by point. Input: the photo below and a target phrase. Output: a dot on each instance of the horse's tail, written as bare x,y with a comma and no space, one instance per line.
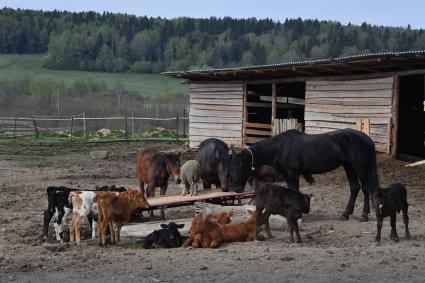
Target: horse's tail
373,178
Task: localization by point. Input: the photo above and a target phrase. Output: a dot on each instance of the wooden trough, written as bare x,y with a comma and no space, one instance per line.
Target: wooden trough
210,196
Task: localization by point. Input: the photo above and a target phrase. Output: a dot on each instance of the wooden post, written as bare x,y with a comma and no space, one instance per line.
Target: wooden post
84,125
274,100
244,114
126,128
177,127
184,122
14,128
132,125
394,115
35,127
72,126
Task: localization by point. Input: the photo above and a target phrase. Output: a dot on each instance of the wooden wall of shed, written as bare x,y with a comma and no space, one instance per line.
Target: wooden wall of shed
332,105
216,111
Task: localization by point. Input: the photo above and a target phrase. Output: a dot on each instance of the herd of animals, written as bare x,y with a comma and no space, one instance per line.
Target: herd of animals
284,157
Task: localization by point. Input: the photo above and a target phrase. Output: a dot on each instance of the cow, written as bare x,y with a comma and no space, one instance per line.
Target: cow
296,154
154,168
240,232
115,211
167,237
213,158
275,199
58,206
204,233
389,202
190,175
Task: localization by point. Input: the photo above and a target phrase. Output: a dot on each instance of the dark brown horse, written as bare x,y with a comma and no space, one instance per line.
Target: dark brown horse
296,154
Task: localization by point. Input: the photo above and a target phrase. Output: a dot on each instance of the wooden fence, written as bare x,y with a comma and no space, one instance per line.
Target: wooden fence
282,125
129,125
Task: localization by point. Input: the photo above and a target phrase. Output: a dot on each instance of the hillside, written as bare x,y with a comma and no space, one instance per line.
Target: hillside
14,67
112,42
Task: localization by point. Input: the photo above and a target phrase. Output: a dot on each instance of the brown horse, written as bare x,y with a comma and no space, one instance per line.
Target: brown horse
154,168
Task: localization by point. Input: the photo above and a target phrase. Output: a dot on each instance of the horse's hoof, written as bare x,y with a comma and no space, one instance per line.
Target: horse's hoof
343,217
364,218
394,238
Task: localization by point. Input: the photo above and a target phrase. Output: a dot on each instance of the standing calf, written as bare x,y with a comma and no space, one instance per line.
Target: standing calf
389,202
190,174
116,210
274,199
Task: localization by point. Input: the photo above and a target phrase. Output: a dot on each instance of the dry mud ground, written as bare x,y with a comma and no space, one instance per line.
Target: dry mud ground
332,250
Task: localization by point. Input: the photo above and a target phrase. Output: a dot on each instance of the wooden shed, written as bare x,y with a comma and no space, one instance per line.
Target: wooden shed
381,94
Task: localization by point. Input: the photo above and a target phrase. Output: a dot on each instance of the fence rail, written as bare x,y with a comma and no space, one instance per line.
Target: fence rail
131,127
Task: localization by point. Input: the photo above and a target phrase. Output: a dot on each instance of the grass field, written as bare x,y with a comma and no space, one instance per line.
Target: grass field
13,67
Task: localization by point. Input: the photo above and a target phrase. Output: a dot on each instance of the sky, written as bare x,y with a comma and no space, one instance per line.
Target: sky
376,12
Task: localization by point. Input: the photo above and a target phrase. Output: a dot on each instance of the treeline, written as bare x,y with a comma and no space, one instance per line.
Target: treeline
25,96
119,42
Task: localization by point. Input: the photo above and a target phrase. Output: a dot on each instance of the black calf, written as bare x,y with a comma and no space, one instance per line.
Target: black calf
389,202
274,199
168,237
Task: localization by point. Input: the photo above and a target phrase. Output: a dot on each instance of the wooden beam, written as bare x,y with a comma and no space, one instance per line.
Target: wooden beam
245,114
258,132
258,125
274,99
394,115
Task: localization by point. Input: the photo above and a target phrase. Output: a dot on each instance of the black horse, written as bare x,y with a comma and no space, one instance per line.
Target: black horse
213,158
294,154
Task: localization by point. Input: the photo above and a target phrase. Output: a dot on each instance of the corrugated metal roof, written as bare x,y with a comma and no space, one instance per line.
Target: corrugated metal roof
355,64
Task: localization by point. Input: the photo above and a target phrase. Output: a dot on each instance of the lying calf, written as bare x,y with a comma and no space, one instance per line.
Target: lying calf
389,202
274,199
240,232
204,232
168,237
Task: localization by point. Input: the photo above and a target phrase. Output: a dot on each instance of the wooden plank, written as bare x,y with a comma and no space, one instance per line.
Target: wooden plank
194,141
348,109
387,80
274,99
358,124
215,96
215,113
381,130
366,126
310,116
217,126
232,102
378,116
258,125
349,94
350,101
278,105
215,133
422,162
347,87
258,132
245,113
254,139
316,130
394,116
214,119
220,108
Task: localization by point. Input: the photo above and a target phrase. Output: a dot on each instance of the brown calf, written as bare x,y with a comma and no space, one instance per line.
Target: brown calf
116,210
204,233
240,232
154,168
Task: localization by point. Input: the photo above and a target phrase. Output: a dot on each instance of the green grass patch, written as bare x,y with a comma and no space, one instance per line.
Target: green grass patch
135,245
13,67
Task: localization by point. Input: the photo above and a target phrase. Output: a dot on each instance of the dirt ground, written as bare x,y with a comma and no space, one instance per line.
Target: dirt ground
332,250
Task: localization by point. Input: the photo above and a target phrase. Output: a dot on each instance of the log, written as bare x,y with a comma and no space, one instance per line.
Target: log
240,214
144,229
422,162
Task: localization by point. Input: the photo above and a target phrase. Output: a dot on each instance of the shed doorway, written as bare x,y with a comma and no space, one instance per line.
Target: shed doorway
411,117
272,108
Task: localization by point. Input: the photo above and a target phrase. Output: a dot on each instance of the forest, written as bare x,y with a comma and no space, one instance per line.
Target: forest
109,42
